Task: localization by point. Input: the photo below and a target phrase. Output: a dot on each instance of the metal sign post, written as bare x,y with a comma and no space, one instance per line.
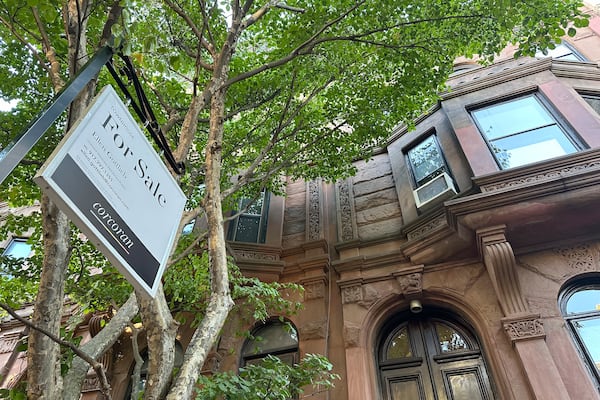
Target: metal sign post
12,154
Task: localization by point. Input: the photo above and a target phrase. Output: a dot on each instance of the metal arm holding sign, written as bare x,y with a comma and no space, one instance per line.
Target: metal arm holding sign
12,154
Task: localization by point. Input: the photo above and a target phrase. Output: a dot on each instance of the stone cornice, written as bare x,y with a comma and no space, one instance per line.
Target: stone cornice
369,262
567,173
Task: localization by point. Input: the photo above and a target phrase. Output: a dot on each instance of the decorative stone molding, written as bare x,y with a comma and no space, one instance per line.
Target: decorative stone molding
256,255
352,294
500,262
314,330
585,162
313,203
347,229
424,230
579,258
91,384
314,290
9,341
351,334
524,328
411,284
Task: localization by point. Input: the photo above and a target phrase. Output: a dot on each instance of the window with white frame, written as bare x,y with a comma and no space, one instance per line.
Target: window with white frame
251,225
430,173
580,306
562,51
522,131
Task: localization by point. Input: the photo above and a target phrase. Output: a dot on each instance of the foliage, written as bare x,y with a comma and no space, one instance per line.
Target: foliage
270,379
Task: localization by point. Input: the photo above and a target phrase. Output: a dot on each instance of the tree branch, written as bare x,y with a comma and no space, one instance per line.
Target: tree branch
98,367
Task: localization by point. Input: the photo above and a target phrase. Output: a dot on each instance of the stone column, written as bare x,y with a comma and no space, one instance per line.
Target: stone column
524,328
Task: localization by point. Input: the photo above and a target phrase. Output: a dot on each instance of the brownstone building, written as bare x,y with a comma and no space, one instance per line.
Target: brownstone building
461,262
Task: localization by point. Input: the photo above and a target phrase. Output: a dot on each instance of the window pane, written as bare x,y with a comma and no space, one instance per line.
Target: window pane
17,248
593,101
247,228
271,337
450,340
584,301
399,347
406,389
589,332
254,208
512,117
465,386
426,160
532,146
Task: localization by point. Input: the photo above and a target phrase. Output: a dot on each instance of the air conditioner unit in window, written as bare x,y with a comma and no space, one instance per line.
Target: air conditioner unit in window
433,192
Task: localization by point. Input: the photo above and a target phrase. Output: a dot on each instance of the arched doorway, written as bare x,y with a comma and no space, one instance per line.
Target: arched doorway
430,356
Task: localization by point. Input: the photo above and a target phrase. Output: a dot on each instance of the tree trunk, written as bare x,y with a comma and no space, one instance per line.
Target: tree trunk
43,362
220,302
97,346
161,330
43,355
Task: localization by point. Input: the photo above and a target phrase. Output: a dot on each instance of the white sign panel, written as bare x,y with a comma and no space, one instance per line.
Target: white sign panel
108,179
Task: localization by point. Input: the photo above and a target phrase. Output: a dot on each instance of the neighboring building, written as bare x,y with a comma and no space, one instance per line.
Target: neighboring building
461,262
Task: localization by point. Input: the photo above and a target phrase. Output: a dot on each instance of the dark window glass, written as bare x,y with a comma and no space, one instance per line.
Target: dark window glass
273,338
251,225
522,131
593,101
581,309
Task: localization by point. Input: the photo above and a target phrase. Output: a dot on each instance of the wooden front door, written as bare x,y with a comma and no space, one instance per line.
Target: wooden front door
431,358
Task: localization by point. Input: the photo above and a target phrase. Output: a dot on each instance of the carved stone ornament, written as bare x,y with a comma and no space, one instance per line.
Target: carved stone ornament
345,211
314,290
212,363
411,284
501,265
580,258
8,342
352,294
256,255
314,210
91,384
427,228
524,329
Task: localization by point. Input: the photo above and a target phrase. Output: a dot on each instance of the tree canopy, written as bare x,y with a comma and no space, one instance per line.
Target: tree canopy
246,92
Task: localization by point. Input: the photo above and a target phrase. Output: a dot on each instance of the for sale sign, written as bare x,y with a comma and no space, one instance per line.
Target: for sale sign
108,179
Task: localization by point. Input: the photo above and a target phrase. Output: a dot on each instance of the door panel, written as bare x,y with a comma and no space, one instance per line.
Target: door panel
428,358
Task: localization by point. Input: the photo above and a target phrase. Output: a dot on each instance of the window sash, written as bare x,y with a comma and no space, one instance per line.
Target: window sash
522,131
426,160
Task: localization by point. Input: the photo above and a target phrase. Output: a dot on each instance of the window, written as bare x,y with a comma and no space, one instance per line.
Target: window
251,225
522,131
430,173
177,363
580,306
274,338
593,100
562,51
17,248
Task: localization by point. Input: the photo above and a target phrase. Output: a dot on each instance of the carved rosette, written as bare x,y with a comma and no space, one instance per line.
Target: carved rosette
346,225
314,290
352,294
314,210
524,329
